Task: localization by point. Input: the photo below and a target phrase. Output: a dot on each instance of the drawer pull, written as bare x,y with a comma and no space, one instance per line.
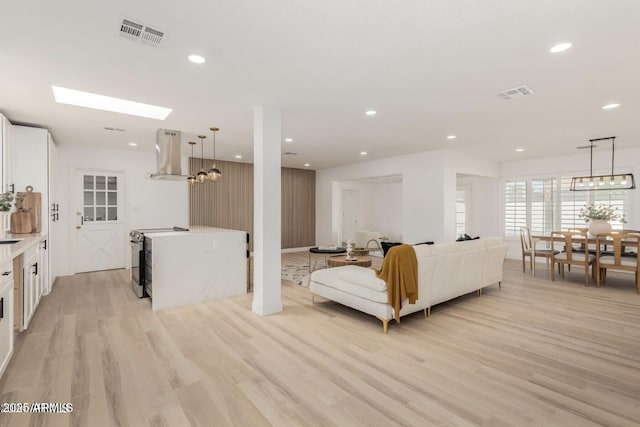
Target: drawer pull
6,273
1,308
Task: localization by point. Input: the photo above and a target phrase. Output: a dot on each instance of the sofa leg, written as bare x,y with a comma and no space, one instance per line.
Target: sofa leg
313,298
385,324
425,313
429,311
499,285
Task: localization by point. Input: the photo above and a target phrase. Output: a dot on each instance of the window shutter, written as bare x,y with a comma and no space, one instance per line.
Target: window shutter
515,207
543,210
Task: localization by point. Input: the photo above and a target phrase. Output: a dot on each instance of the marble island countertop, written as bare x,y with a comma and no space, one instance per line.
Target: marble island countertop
199,230
198,265
8,251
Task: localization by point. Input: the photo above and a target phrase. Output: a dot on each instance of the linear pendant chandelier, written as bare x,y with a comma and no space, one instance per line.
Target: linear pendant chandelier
593,182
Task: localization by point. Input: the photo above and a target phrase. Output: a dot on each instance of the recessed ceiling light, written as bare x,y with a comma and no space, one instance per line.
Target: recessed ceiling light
288,140
108,103
519,150
196,59
238,156
370,113
307,165
451,137
363,153
560,47
610,106
133,144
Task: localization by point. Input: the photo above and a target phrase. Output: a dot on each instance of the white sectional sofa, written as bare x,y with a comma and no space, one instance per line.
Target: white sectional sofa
445,271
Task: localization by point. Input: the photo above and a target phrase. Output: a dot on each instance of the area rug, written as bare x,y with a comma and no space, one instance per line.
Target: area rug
299,273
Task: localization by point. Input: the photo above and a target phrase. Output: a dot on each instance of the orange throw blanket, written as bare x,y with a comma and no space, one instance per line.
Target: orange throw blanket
400,272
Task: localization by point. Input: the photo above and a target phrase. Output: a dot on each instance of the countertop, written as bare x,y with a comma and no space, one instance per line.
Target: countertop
9,251
192,231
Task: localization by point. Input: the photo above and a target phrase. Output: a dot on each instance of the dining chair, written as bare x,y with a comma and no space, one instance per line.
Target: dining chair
527,249
569,257
617,261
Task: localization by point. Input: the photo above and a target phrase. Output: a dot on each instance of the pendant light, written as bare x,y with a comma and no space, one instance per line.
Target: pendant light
202,175
625,182
214,173
191,179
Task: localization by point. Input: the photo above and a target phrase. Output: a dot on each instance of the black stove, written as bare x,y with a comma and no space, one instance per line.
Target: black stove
141,264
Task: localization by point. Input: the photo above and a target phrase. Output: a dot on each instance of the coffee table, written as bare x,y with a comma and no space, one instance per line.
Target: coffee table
325,252
338,261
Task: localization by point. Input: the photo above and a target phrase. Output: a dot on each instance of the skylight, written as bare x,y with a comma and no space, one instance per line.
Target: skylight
108,103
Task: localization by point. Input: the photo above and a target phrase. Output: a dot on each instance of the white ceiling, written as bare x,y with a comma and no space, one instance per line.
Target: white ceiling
429,68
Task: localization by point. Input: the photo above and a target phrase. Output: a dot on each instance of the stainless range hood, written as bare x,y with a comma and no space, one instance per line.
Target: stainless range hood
168,156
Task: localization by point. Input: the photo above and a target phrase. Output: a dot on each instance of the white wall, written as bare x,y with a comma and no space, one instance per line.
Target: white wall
626,161
148,204
381,209
482,204
428,192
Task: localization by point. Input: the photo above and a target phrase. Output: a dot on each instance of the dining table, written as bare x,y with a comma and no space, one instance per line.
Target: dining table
589,240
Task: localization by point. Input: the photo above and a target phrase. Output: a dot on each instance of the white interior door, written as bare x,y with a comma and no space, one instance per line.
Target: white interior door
350,214
99,223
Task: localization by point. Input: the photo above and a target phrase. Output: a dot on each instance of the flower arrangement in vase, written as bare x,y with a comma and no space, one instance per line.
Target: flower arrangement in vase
599,216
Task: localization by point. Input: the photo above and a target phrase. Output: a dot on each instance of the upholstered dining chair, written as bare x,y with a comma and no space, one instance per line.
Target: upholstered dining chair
569,257
525,243
617,261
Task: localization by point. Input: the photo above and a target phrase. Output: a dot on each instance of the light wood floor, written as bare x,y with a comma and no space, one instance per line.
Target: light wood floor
532,353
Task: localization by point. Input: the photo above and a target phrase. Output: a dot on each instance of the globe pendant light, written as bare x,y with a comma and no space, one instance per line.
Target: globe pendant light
214,173
202,175
191,179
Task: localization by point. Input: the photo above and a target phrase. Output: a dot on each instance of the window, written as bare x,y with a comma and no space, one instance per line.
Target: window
547,204
515,207
100,198
461,212
543,206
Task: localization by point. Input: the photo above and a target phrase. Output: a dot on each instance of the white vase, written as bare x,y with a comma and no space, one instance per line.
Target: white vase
597,226
5,221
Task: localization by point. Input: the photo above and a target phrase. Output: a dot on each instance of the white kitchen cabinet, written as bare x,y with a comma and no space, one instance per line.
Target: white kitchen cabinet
31,282
6,315
34,162
7,139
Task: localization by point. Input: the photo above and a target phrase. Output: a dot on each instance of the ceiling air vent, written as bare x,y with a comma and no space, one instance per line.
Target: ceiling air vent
515,92
113,129
137,31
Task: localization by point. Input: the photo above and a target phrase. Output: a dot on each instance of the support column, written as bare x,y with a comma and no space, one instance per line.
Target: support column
267,129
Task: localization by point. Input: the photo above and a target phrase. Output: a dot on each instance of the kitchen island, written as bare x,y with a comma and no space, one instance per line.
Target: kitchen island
198,265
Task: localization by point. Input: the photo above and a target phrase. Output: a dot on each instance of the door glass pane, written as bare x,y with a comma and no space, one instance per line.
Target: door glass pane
100,198
112,183
100,182
113,198
88,198
113,214
100,213
88,182
88,214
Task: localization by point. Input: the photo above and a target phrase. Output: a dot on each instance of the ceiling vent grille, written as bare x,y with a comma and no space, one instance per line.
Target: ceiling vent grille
140,32
515,92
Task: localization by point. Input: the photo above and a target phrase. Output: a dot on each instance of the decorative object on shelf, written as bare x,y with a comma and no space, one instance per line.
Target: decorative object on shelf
599,216
214,173
593,182
191,179
202,175
350,256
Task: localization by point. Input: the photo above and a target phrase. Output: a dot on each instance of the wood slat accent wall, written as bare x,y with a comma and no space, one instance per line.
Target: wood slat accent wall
228,203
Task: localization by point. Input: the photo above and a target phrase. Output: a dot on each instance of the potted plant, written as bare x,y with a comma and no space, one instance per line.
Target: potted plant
6,200
599,216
